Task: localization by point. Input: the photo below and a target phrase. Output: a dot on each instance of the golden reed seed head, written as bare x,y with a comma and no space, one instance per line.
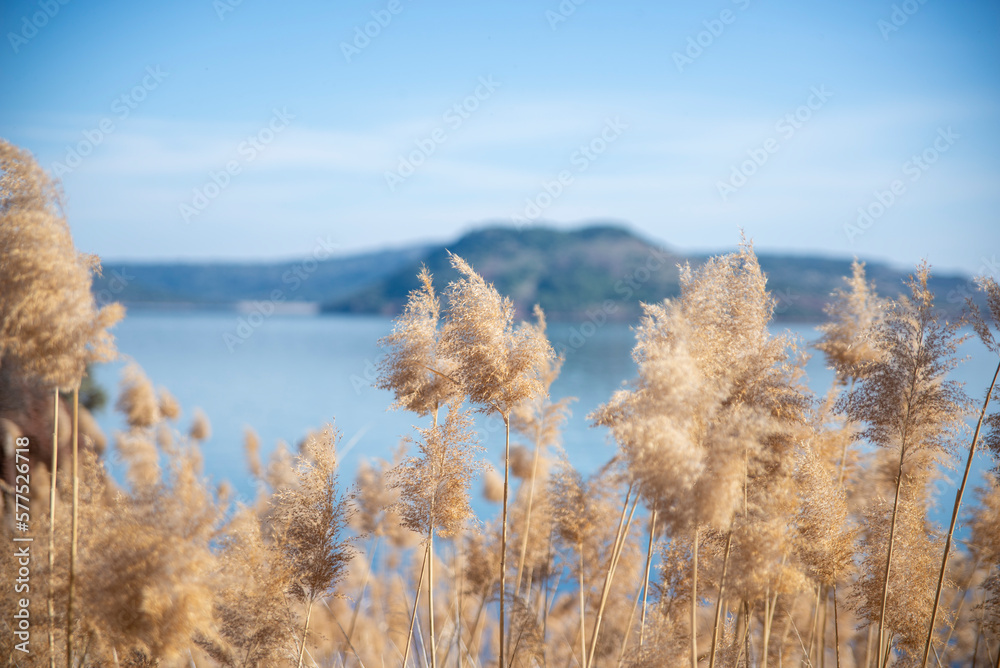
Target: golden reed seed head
201,428
49,321
137,399
169,408
414,368
251,447
310,519
497,365
851,316
434,487
492,486
904,393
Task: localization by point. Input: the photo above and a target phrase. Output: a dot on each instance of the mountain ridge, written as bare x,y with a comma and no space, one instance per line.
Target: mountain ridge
604,268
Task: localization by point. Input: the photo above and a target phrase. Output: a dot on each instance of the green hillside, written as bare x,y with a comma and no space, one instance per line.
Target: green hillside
221,284
567,273
601,269
607,268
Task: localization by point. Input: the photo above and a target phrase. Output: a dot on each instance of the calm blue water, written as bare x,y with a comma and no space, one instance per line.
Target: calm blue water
295,373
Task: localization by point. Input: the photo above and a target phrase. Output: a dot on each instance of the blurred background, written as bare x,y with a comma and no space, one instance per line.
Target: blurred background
243,166
180,87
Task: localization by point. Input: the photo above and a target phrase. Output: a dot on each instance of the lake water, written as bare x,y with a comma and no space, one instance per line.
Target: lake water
292,374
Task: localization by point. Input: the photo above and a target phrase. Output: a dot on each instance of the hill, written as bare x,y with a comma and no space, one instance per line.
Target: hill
610,269
566,273
570,273
220,284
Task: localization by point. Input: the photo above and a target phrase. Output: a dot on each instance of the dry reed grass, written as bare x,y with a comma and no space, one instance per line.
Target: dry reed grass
741,522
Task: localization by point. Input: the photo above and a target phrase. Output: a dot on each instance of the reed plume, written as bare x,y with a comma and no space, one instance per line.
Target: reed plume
50,326
903,604
909,407
575,523
254,625
377,501
144,582
137,399
434,488
309,523
983,325
167,403
824,534
539,420
850,316
497,366
414,367
201,428
983,330
707,428
48,319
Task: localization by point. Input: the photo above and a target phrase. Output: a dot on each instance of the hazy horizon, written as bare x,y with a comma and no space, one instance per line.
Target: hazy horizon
444,241
234,130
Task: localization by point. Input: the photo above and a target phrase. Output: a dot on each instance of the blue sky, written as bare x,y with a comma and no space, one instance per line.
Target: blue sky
672,118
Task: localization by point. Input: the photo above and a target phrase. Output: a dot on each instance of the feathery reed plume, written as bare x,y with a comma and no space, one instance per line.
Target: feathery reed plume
825,539
992,290
730,308
575,524
169,408
255,623
982,326
434,488
709,422
142,459
280,473
414,367
24,185
309,522
851,314
377,501
539,420
48,319
496,366
905,605
201,428
492,486
49,323
145,561
908,406
672,429
251,446
661,427
137,399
